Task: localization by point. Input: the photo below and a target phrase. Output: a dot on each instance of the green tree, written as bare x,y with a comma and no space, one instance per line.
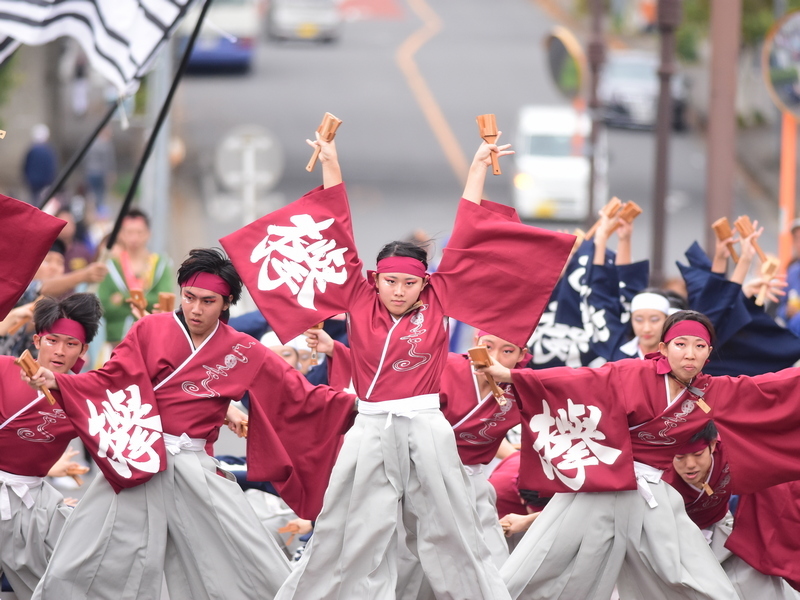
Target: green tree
757,18
7,80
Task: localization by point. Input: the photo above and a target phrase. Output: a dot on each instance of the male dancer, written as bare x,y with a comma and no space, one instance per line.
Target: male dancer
187,521
33,437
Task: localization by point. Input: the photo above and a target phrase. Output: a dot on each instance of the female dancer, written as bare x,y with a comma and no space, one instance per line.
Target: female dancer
623,439
401,451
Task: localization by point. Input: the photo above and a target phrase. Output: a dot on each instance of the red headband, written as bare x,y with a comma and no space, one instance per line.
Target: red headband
692,447
68,327
208,281
72,329
402,264
688,327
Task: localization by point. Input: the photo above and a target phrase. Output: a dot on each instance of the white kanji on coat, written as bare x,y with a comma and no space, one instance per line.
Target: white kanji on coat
125,432
568,441
557,340
300,258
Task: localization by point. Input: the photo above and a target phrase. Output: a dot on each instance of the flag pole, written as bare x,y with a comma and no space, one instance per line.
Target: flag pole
76,158
156,128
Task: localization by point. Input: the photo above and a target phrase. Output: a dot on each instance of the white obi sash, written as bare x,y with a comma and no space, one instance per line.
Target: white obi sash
403,407
175,444
21,485
478,470
646,474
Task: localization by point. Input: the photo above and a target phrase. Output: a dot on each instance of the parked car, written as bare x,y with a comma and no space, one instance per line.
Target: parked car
629,87
229,36
317,20
552,163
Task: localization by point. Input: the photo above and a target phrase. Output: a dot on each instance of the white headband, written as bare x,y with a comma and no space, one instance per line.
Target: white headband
649,300
271,339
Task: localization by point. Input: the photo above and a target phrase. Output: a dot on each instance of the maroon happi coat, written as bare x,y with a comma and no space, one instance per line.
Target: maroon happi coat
28,234
300,265
765,531
583,428
479,422
703,509
294,427
33,434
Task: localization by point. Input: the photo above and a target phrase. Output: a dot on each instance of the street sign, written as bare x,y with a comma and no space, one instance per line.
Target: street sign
249,157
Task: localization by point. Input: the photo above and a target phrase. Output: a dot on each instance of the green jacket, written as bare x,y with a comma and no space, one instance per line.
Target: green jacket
113,292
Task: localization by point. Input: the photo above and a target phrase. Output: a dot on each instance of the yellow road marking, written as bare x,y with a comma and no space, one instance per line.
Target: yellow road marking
431,25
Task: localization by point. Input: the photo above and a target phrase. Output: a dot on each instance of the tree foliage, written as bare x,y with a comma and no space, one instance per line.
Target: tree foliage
757,18
7,80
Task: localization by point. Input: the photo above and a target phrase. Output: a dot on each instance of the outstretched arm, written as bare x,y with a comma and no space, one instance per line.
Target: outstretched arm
331,171
473,191
42,377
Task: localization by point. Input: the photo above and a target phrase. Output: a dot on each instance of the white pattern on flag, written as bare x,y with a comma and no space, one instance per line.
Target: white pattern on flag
125,433
120,37
307,257
570,427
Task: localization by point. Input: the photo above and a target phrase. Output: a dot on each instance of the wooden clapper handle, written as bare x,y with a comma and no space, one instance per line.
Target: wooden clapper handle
30,365
314,350
630,210
479,356
610,210
745,227
166,301
327,131
722,229
768,271
23,321
487,128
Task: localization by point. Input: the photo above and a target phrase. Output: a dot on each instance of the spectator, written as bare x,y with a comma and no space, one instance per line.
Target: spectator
101,166
78,253
41,163
134,268
789,307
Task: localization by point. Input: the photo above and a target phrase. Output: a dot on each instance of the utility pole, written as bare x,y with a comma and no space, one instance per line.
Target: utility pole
597,56
669,17
726,22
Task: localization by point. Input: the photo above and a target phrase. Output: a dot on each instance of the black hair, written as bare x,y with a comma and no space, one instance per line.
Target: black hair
214,261
83,308
136,213
401,248
708,433
676,301
689,315
58,246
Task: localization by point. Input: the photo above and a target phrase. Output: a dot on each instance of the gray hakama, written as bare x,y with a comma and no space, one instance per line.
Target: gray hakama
186,522
411,583
581,543
384,462
30,531
748,582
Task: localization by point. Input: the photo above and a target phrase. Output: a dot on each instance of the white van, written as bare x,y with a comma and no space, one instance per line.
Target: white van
552,163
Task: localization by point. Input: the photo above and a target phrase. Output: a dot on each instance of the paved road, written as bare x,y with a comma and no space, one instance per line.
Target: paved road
409,134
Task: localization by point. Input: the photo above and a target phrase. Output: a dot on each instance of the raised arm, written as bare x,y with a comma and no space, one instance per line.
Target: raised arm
721,255
624,235
747,253
604,231
473,190
331,171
